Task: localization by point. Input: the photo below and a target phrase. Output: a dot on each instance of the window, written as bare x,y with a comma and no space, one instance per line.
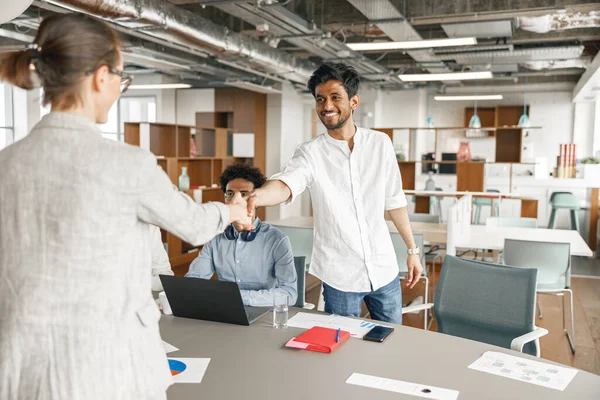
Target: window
6,116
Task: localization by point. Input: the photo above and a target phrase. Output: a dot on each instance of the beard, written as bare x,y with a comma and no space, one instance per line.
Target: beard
338,125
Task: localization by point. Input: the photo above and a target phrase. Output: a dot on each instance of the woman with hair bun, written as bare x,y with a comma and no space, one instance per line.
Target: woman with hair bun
77,318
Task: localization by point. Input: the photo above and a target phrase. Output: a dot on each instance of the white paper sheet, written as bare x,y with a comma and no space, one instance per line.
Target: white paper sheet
524,370
357,328
169,348
392,385
188,370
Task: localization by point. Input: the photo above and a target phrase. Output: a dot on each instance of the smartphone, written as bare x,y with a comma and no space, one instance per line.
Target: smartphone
378,333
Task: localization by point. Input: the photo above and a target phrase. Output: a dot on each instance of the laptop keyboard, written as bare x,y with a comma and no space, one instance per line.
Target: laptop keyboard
253,312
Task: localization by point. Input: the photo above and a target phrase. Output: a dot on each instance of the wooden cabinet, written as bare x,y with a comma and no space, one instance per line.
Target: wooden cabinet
168,140
508,145
509,137
487,116
408,172
470,176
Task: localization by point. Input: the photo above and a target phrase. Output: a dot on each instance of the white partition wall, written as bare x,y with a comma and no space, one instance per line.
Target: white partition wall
459,222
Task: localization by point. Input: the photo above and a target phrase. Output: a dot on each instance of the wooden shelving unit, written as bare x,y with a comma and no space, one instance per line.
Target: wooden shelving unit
499,122
171,144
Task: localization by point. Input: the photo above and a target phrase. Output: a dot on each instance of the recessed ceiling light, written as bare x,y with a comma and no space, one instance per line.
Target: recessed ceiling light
413,44
161,86
452,76
463,98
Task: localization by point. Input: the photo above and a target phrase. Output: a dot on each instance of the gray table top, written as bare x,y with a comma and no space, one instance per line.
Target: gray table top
252,363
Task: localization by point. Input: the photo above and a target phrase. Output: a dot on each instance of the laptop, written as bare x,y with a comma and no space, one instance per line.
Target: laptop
209,300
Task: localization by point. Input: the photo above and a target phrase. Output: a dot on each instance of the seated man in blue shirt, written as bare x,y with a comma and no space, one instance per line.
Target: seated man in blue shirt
260,261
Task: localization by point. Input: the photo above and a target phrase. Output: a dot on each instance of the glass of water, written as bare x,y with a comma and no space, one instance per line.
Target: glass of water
280,311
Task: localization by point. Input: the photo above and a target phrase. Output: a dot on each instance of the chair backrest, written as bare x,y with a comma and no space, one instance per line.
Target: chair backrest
486,302
300,265
402,251
553,260
419,217
564,200
484,201
554,194
508,222
301,240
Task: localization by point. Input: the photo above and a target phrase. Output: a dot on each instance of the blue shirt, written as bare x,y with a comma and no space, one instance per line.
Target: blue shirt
262,268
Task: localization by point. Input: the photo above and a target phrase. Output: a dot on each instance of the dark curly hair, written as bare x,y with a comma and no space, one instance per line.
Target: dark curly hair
335,72
242,171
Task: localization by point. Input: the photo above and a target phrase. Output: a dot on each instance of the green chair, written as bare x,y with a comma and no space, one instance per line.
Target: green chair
402,255
567,201
300,265
553,261
301,240
487,303
479,202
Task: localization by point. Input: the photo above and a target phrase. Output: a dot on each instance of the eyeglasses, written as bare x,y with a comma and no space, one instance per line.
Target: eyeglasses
125,77
229,194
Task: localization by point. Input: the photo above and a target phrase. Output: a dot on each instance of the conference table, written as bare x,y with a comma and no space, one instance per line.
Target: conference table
432,233
475,236
529,205
492,238
251,362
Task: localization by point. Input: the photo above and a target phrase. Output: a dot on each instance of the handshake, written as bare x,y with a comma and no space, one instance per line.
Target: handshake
242,210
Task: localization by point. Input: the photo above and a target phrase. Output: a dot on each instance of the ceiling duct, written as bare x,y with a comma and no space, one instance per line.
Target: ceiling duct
290,27
480,29
558,64
397,31
163,20
560,21
517,56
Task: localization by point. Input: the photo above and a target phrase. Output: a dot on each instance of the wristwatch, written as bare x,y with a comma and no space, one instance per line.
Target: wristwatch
416,250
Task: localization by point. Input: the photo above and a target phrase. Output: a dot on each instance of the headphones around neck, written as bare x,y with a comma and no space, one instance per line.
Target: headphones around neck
246,236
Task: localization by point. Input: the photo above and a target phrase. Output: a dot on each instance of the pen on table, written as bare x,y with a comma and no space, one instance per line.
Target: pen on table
337,338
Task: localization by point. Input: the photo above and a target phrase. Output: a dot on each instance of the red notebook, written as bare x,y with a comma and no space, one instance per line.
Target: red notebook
318,339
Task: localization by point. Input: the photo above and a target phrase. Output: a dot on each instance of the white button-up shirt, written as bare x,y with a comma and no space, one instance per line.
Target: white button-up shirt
350,190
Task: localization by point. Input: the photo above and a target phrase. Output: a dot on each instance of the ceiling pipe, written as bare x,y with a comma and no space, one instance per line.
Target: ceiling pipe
173,22
560,21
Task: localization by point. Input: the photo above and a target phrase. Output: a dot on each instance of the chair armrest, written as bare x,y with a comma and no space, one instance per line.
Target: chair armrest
420,307
309,306
518,343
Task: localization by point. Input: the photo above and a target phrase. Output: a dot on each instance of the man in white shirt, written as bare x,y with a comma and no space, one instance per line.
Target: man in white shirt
353,177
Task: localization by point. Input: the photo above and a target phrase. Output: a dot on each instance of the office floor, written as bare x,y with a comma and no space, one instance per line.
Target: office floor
554,346
585,266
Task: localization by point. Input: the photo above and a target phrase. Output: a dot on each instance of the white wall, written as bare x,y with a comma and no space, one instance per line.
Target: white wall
583,129
191,101
21,104
596,130
287,116
407,108
364,116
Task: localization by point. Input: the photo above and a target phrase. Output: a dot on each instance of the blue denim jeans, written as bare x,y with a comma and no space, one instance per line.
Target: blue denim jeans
384,304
